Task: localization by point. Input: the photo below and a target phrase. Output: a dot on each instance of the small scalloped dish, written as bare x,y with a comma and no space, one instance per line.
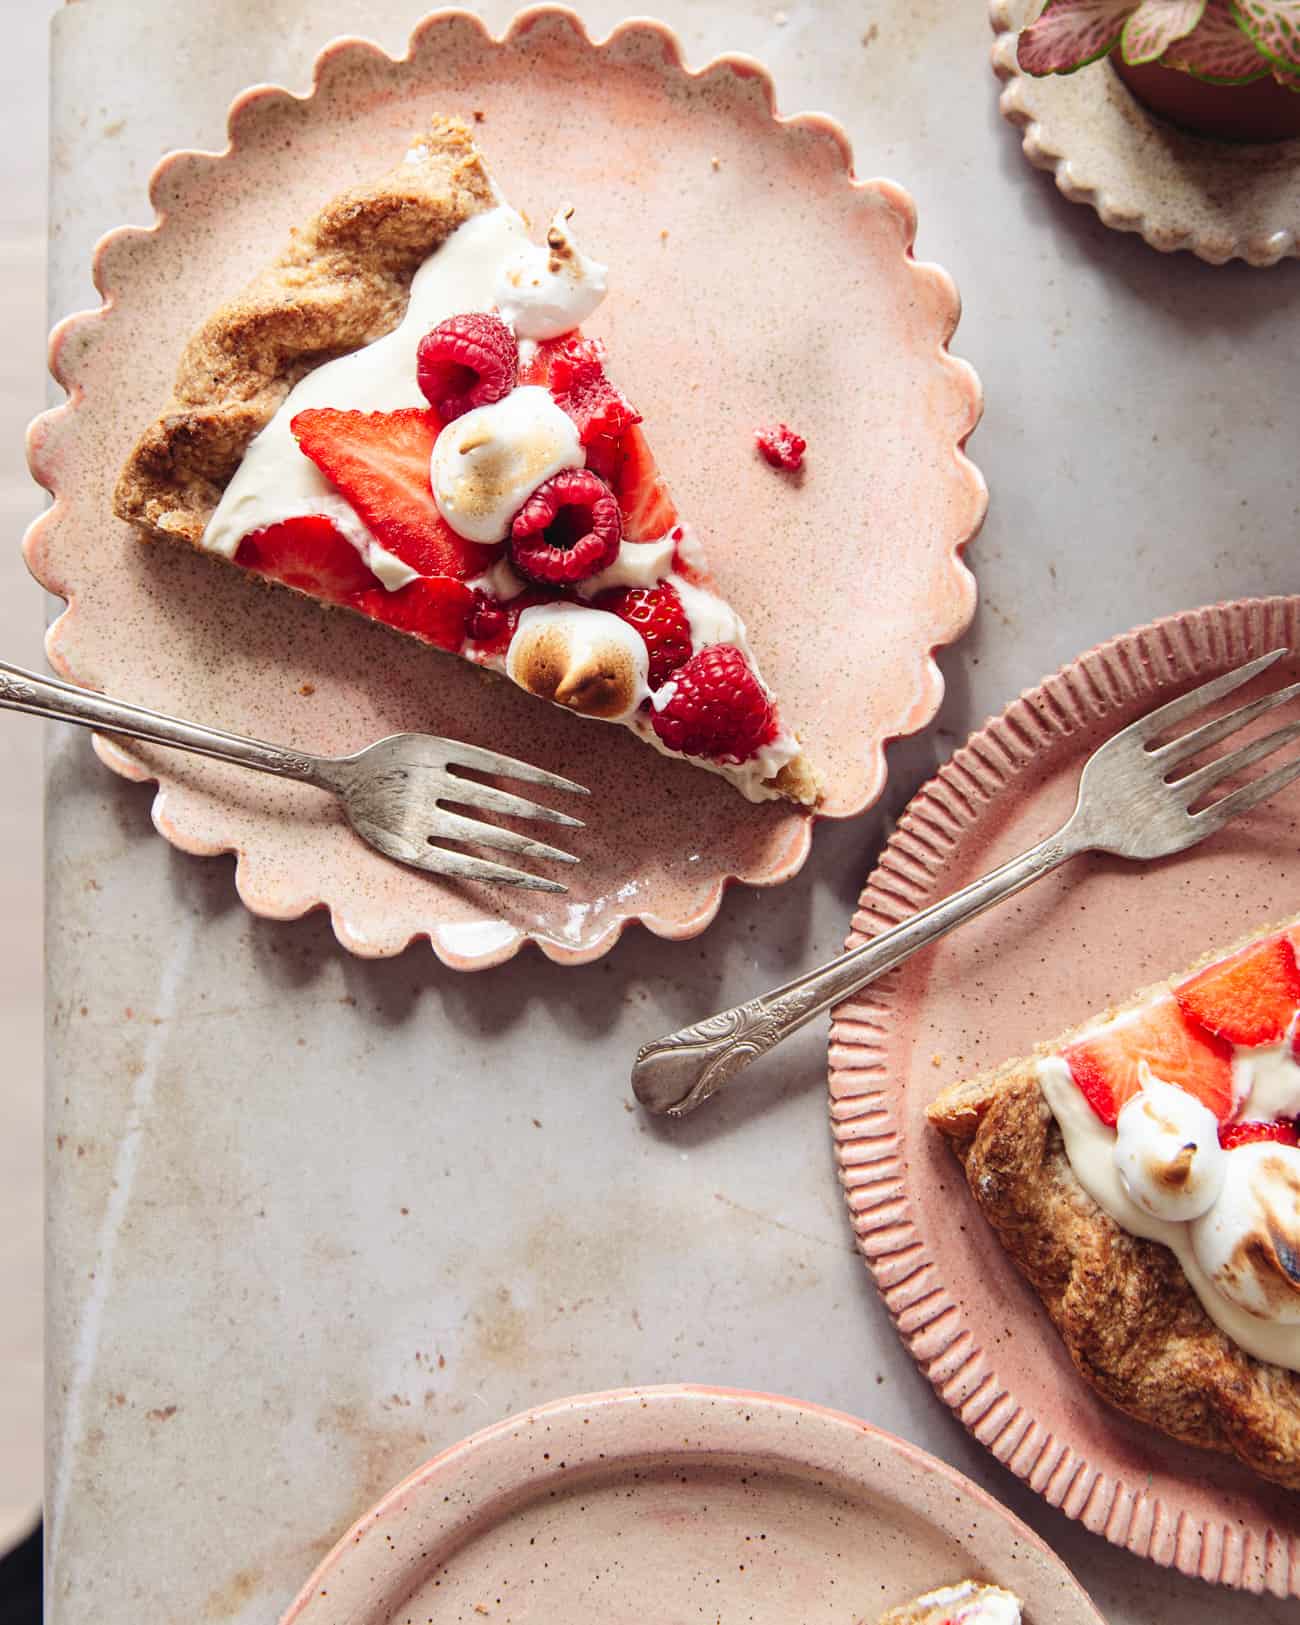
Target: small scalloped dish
1079,941
752,278
1222,200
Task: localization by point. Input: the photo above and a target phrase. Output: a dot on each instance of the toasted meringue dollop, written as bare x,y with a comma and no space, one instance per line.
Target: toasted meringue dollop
486,464
1249,1242
1167,1150
545,289
585,659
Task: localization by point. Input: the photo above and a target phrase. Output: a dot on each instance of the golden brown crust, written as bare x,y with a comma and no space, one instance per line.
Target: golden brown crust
342,282
798,781
1131,1322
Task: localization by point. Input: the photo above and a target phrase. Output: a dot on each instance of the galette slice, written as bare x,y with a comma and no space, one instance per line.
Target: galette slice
968,1602
402,417
1143,1171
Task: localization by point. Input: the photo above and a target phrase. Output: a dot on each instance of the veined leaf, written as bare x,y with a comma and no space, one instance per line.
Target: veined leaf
1273,27
1217,50
1071,33
1156,25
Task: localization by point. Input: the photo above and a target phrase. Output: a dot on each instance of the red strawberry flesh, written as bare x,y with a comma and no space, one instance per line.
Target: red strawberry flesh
658,616
380,462
1249,998
310,554
1282,1131
1106,1063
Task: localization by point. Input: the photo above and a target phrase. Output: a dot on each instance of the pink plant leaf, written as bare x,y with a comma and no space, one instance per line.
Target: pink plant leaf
1156,25
1273,27
1070,34
1216,50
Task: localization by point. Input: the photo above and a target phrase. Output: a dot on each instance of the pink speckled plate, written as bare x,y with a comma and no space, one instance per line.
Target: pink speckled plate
753,279
1078,941
718,1504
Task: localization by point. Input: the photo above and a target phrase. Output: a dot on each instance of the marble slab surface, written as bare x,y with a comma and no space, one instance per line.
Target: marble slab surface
311,1218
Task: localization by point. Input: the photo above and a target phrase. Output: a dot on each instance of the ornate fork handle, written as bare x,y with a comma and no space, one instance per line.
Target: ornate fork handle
674,1075
63,702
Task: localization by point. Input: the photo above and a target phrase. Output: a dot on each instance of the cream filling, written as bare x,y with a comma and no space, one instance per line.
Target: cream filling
276,481
1090,1148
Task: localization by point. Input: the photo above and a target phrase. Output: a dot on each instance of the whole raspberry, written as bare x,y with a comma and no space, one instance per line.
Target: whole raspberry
658,616
568,530
1280,1132
581,388
466,361
716,708
781,446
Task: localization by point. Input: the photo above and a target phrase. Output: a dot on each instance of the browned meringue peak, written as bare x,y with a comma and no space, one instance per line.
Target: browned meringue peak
1249,1241
585,659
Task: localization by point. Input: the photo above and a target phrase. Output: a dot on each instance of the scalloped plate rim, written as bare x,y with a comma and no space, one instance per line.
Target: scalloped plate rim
895,1209
930,685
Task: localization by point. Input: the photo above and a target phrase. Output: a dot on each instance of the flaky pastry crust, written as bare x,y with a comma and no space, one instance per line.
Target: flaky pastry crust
343,281
1130,1320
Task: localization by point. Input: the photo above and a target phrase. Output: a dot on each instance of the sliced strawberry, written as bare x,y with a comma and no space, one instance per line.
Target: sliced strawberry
380,462
434,608
1249,998
1282,1131
1105,1065
628,467
310,554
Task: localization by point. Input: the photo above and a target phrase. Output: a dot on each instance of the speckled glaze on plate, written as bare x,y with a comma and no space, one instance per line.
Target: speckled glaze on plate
1077,942
1222,200
722,1505
712,211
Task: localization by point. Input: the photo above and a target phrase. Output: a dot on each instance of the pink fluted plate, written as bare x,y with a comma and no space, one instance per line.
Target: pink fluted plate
717,1504
1083,939
752,279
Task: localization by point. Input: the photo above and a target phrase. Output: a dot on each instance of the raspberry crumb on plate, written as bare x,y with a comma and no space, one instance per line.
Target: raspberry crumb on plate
781,446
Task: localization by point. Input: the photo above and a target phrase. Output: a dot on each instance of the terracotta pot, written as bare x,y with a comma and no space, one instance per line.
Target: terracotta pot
1261,111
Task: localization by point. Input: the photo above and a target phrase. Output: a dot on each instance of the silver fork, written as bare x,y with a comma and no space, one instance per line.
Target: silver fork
1127,805
394,792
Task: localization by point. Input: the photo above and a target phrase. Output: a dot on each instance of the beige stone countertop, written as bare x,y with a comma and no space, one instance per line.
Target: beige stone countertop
312,1218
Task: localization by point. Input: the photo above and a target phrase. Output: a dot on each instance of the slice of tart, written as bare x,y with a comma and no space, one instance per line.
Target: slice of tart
401,417
966,1603
1143,1172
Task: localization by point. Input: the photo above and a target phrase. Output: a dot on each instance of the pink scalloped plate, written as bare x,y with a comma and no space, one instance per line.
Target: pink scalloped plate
1077,942
753,279
719,1504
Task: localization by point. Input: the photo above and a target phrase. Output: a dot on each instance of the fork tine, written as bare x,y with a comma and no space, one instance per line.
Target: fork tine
439,861
452,827
1249,795
491,761
471,793
1187,705
1210,733
1224,767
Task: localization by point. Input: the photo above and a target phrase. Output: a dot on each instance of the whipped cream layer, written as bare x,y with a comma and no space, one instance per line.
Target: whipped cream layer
968,1603
1255,1211
276,481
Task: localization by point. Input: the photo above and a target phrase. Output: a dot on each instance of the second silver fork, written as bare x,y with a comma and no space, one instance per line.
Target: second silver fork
1127,805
